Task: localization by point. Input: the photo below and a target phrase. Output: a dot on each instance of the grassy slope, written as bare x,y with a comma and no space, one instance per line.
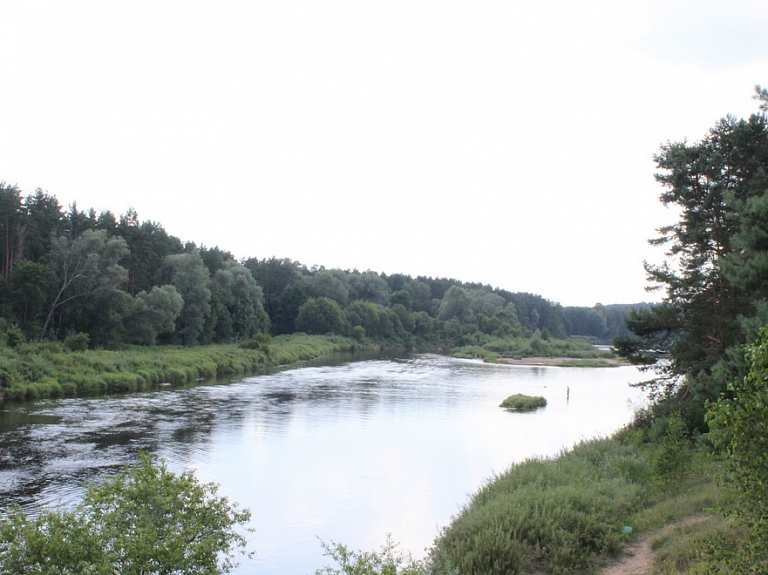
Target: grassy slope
567,514
33,371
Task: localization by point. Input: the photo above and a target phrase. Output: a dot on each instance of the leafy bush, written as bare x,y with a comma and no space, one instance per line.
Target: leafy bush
388,561
145,520
78,342
739,430
258,341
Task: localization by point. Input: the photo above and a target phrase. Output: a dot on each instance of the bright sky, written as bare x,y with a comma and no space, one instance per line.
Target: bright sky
504,142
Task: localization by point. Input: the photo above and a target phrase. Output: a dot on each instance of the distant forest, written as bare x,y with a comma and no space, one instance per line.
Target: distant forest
104,280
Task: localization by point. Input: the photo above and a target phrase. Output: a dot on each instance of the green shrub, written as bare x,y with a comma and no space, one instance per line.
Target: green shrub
259,341
388,561
78,342
673,456
144,520
13,336
553,516
520,402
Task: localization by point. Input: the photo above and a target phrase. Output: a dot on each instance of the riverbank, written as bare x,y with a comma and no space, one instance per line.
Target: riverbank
569,352
589,509
36,371
564,361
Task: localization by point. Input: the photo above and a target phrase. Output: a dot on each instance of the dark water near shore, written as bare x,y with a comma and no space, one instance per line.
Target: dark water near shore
345,452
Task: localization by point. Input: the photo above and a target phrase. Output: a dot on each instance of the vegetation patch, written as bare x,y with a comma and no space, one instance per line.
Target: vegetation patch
568,514
520,402
587,363
36,371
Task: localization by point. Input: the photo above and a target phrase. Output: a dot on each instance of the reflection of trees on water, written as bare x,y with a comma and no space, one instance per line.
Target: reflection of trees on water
53,448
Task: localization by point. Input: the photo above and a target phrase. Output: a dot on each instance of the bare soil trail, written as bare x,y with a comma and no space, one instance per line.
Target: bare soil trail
638,557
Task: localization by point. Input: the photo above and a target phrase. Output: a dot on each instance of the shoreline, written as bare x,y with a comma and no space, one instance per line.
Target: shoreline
563,361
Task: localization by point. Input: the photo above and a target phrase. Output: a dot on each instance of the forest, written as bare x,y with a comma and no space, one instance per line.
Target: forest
105,281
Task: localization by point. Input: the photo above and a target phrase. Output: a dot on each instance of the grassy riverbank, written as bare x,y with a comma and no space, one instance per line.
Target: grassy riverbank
34,371
497,349
576,513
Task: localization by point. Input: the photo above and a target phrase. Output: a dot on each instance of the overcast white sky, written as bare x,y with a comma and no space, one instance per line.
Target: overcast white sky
509,143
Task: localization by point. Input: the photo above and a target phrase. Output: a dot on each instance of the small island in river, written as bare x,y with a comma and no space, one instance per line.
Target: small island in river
520,402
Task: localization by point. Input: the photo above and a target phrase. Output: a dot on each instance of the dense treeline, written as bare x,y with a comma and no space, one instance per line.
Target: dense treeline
111,280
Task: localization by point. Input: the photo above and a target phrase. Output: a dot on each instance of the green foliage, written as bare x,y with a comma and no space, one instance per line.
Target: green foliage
78,342
145,520
739,430
13,336
388,561
189,276
152,313
319,316
535,346
84,266
520,402
673,456
258,341
718,280
30,285
555,516
34,371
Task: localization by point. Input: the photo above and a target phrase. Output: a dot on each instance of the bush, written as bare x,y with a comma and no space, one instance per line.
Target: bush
739,430
550,516
13,336
78,342
520,402
388,561
259,341
145,520
671,461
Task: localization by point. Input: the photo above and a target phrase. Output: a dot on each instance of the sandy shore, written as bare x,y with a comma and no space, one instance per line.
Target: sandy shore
554,360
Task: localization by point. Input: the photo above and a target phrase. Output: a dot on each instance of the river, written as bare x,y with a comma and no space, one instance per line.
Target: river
346,452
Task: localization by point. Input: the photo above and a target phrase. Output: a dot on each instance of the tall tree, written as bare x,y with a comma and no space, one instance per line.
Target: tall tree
717,253
152,313
43,222
11,220
274,275
83,266
189,276
149,244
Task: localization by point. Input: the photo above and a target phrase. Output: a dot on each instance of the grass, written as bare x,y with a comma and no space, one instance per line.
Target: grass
567,514
35,371
586,363
520,402
491,349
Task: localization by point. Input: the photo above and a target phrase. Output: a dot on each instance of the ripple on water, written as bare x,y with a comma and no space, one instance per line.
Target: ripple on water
347,452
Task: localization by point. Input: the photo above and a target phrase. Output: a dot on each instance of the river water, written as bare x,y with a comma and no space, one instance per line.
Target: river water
346,452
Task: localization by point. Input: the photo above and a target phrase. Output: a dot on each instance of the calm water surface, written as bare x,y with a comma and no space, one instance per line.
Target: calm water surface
346,452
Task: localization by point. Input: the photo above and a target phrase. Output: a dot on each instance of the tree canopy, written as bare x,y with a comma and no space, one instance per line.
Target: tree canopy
718,261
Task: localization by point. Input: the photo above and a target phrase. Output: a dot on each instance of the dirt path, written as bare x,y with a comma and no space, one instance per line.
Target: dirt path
638,558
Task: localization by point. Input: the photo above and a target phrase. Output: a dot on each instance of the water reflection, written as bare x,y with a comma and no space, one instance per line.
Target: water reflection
346,452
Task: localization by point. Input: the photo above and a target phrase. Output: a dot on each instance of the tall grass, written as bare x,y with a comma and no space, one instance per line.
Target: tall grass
34,371
566,514
523,402
491,348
